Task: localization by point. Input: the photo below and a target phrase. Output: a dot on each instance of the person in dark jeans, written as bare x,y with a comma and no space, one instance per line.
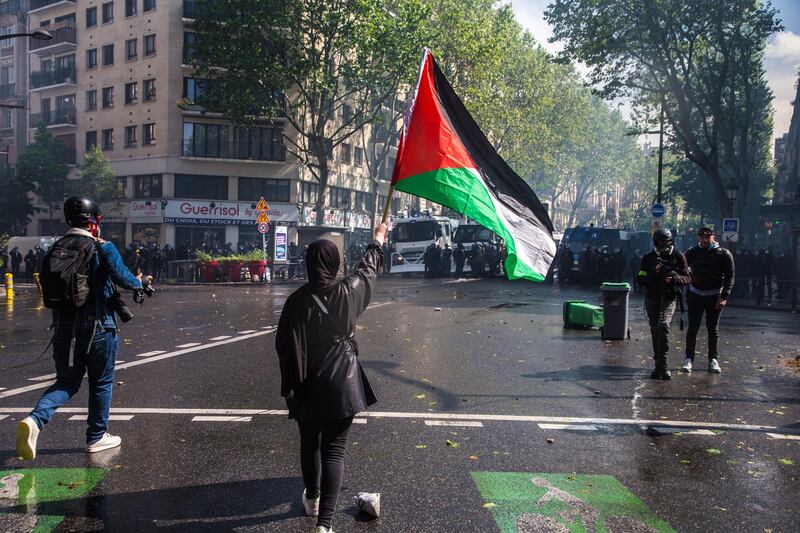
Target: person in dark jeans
321,377
712,269
662,271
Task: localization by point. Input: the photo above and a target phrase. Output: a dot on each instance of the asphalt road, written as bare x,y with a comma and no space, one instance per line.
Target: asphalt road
492,417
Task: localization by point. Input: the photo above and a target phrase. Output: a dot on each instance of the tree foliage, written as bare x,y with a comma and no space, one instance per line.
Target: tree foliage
16,207
96,178
40,164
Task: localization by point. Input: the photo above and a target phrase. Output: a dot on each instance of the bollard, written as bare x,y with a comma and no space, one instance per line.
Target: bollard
9,286
36,279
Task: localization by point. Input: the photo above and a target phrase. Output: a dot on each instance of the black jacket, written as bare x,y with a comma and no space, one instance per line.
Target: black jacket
711,269
657,288
320,376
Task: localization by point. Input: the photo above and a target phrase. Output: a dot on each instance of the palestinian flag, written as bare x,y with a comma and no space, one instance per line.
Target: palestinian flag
445,157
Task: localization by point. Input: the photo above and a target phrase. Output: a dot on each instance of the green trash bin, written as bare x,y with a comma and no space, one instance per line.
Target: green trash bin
615,311
578,313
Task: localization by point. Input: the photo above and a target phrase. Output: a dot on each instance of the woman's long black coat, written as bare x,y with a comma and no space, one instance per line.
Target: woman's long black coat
320,377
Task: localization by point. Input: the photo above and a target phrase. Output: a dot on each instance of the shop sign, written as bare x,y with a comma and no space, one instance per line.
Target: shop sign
146,208
202,212
335,218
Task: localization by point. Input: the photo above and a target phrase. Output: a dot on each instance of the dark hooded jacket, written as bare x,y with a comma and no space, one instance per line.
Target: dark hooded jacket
320,374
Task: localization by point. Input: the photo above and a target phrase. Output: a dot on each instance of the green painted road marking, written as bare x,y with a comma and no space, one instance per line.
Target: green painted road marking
561,503
27,495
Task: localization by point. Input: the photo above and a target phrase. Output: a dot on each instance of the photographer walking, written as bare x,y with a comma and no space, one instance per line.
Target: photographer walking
663,270
712,269
321,378
78,284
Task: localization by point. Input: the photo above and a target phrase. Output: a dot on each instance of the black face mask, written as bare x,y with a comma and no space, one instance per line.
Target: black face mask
664,248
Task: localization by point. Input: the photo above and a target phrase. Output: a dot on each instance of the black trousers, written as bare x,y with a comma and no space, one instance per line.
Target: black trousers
322,449
659,315
697,306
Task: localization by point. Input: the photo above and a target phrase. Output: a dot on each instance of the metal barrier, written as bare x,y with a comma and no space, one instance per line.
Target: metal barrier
183,270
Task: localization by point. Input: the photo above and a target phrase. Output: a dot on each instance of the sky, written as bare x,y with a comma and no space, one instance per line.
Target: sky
782,60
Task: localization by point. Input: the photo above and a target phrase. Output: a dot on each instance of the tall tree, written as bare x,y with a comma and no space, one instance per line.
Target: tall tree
700,58
96,178
16,207
325,68
41,163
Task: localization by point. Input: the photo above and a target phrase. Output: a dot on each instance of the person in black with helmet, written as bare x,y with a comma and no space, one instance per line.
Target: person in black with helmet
663,270
712,280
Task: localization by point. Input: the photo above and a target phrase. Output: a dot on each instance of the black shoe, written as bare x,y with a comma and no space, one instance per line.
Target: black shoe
661,372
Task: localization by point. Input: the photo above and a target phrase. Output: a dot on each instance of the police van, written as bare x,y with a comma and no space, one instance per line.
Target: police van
410,237
468,235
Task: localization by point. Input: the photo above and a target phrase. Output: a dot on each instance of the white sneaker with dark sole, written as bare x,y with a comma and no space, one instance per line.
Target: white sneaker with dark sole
323,529
310,505
687,365
713,366
27,435
107,442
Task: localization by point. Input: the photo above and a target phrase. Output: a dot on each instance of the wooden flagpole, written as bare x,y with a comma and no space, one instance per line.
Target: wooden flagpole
386,206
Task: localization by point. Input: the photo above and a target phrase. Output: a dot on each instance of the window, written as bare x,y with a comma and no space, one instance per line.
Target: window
6,118
147,186
130,49
130,136
131,92
149,45
108,12
201,187
358,156
130,7
108,55
122,190
91,140
205,140
149,90
272,190
338,196
194,88
91,17
347,113
148,5
148,134
108,139
329,148
108,97
362,201
91,58
309,192
91,100
265,143
345,153
189,43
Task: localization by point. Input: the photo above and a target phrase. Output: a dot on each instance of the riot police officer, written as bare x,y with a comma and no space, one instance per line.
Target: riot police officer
663,270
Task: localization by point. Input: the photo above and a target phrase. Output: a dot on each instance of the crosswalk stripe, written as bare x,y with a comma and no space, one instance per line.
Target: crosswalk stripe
3,416
222,419
450,423
359,421
685,431
83,418
220,338
150,354
247,331
571,427
783,437
188,345
42,378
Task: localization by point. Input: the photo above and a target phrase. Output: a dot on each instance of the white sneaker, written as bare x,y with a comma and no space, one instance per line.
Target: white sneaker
713,366
687,365
310,505
106,443
27,435
323,529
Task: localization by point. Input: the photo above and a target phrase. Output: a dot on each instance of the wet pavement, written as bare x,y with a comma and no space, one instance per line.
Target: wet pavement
492,417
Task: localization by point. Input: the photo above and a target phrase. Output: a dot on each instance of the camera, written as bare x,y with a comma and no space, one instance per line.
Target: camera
119,307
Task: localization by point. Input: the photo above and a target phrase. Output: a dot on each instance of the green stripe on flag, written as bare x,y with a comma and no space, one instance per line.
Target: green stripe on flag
463,190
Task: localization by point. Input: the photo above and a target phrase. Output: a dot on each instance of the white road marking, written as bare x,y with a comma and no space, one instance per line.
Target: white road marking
222,419
373,306
3,416
245,332
782,436
571,427
22,390
151,354
359,421
2,388
189,345
110,417
42,378
220,338
685,431
463,424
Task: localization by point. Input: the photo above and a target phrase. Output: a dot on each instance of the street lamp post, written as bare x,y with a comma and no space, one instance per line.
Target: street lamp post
38,34
733,191
345,204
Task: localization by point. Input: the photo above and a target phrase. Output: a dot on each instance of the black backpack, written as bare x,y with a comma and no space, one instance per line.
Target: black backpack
65,273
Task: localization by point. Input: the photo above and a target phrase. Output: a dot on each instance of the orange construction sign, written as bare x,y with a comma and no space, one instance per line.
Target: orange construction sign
262,205
262,218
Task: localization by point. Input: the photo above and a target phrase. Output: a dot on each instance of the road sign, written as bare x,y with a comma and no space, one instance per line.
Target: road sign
263,227
262,205
656,223
262,218
730,230
657,210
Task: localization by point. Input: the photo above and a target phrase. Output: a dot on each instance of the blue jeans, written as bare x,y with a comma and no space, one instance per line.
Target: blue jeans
98,363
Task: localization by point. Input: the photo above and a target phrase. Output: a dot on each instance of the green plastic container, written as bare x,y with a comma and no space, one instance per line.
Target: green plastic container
578,313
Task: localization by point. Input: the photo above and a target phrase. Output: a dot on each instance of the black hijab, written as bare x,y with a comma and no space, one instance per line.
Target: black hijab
322,264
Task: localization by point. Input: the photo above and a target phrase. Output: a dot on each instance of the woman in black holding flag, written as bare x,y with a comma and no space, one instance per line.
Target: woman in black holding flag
321,378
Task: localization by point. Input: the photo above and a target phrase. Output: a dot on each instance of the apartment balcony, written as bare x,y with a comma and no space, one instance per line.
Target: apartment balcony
59,118
12,7
7,91
64,40
40,6
53,78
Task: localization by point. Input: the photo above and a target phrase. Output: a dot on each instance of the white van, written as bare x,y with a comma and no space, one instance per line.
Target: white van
410,238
